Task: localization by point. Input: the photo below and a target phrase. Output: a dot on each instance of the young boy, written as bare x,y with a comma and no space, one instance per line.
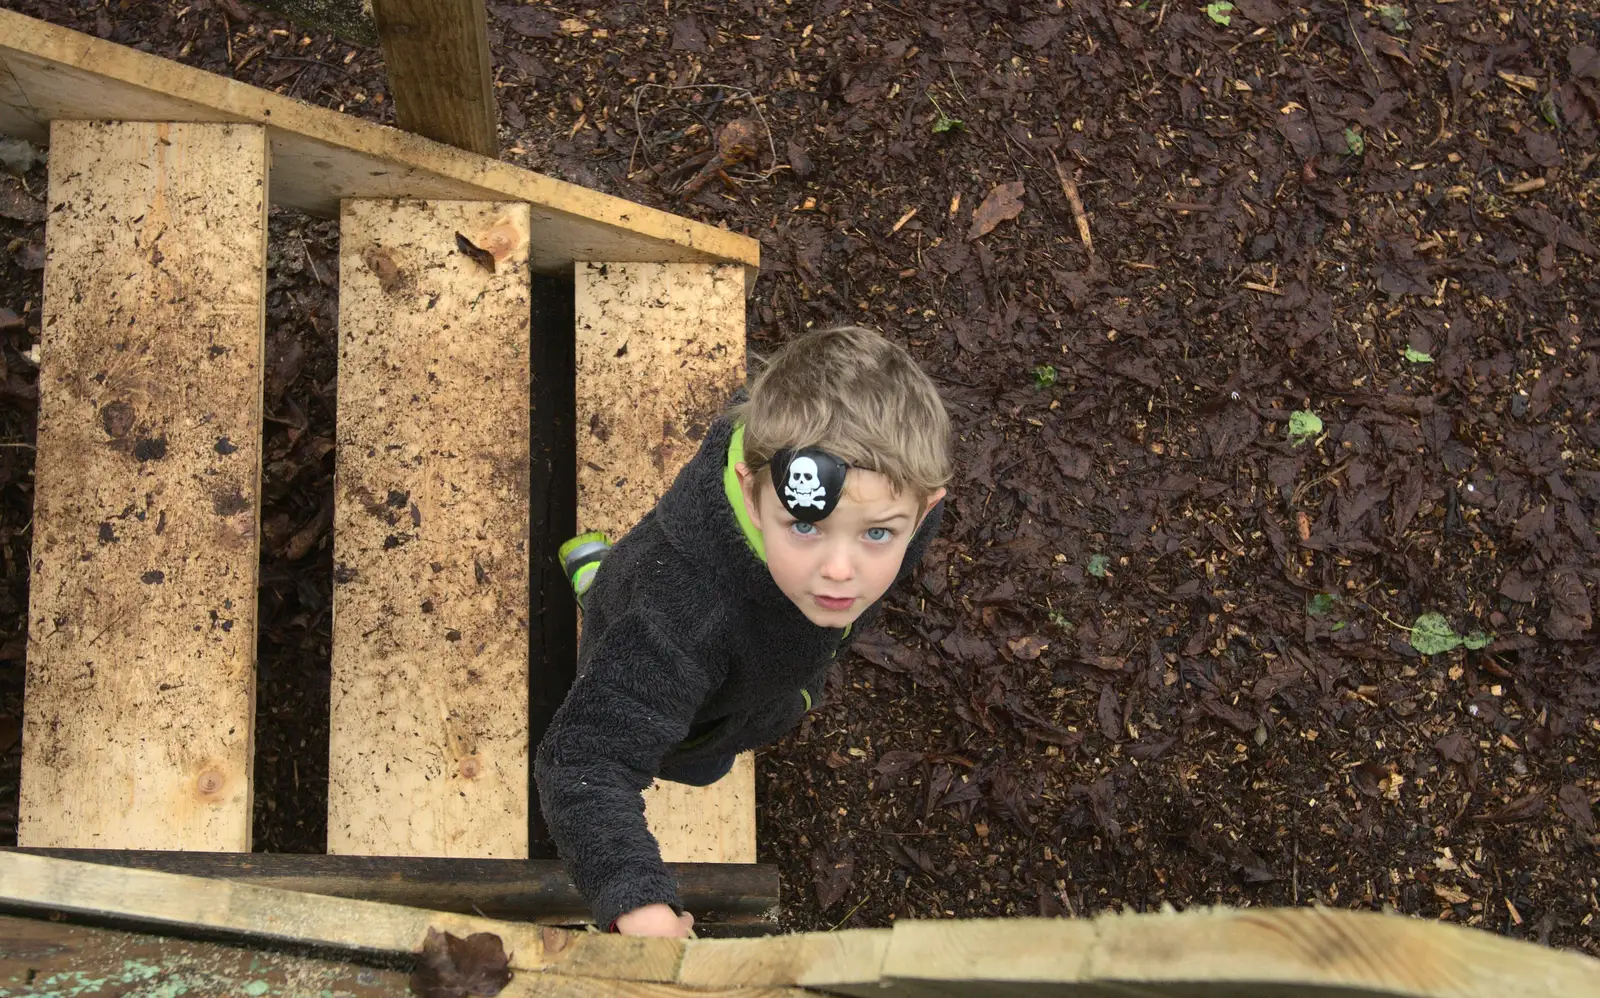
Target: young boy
709,628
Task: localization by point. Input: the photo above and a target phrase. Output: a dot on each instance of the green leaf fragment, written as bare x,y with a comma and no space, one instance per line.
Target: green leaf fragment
1044,376
1547,108
1416,356
1337,626
1476,640
1222,13
1433,635
1303,425
1354,142
1394,17
1321,604
944,124
1098,563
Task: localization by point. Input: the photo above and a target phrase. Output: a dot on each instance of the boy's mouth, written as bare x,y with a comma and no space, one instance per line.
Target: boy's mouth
834,602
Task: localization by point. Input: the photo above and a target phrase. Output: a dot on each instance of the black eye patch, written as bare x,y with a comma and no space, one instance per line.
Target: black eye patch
808,482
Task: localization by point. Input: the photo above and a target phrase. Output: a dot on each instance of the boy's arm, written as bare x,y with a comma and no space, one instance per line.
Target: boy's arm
603,748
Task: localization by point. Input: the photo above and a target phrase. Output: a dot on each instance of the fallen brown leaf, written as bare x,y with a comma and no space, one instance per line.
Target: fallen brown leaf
1574,804
1521,809
1027,648
1002,204
452,967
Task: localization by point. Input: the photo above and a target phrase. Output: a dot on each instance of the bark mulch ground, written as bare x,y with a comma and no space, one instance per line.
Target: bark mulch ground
1270,570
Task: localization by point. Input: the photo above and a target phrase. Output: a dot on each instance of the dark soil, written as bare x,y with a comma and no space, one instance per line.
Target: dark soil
1162,653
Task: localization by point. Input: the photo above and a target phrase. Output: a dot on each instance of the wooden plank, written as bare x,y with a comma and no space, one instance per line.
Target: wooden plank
719,894
320,156
428,730
436,53
41,958
139,711
660,350
1251,953
146,900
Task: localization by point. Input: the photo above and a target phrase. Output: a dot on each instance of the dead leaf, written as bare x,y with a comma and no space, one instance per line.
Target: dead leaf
475,253
1521,809
1368,778
1574,804
1455,747
451,967
1109,713
1002,204
1027,648
1571,614
833,875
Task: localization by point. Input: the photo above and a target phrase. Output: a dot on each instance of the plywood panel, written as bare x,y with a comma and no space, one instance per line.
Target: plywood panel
429,725
660,350
320,156
142,622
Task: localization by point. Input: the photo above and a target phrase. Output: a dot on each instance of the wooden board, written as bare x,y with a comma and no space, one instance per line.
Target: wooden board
139,711
43,958
436,53
730,897
1249,953
660,350
428,731
320,156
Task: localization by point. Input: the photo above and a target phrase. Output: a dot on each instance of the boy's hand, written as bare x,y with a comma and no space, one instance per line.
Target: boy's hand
655,920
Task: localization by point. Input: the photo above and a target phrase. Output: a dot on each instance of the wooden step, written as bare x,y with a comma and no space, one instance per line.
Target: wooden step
428,742
660,350
139,710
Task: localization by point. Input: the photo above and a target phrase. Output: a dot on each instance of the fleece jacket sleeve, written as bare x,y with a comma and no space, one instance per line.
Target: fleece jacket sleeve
605,744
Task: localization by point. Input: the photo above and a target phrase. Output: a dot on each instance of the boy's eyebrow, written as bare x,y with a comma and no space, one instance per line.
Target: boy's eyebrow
891,518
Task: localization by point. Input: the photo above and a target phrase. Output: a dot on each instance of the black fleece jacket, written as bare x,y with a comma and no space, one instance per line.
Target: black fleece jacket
683,628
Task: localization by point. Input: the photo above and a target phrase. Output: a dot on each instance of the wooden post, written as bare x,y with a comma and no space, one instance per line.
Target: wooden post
140,701
437,54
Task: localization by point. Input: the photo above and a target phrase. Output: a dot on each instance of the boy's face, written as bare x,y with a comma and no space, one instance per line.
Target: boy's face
837,567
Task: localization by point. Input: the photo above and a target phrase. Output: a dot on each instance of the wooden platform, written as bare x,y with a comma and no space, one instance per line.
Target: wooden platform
1249,953
139,709
321,156
141,639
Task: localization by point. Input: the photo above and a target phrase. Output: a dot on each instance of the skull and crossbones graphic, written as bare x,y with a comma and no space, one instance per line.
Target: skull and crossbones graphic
805,486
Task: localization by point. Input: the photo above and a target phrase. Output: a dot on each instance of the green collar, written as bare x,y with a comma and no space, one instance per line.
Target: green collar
730,484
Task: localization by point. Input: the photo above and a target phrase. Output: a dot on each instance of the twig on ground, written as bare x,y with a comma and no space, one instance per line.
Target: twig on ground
1069,187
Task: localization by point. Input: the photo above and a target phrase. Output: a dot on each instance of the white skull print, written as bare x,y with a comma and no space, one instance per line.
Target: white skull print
805,486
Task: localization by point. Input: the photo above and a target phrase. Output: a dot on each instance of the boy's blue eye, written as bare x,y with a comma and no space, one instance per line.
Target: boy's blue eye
879,534
803,528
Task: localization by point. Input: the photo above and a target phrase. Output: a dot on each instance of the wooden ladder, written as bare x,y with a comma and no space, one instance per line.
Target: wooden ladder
139,710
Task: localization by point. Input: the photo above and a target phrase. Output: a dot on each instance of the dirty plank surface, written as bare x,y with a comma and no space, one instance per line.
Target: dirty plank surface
142,623
39,958
428,745
660,350
320,156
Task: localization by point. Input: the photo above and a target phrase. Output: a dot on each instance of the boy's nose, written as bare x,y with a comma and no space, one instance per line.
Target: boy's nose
837,567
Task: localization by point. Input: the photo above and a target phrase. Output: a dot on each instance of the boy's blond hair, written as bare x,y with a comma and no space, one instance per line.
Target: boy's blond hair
857,395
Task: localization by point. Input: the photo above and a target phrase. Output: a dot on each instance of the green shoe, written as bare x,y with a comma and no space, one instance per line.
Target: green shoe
580,560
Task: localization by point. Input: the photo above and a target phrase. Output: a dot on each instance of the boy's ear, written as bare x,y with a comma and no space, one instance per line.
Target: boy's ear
748,480
927,507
